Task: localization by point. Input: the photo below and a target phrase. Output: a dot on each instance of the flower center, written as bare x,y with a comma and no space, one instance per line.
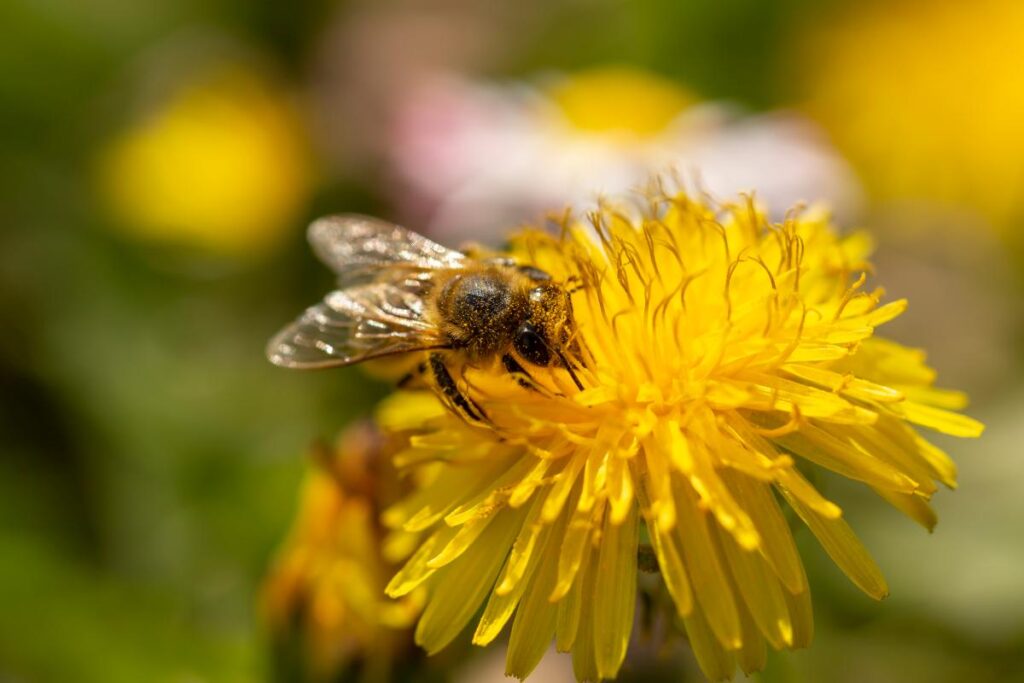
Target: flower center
619,100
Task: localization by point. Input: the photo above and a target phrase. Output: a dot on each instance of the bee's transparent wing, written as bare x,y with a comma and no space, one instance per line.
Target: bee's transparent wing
355,324
354,245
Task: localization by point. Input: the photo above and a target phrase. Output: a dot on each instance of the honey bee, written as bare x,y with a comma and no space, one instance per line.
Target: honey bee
401,293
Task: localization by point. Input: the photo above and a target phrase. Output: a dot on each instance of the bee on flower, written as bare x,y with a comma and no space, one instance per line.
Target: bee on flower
704,353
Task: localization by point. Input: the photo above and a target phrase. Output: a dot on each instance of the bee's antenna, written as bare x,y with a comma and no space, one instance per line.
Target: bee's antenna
568,366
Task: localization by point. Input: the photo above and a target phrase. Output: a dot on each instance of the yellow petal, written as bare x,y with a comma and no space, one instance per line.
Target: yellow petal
791,482
417,569
845,549
529,483
761,592
501,605
714,493
901,454
564,482
716,663
570,608
813,352
584,657
574,545
593,477
536,619
670,562
597,395
846,384
785,477
459,588
620,489
615,592
753,655
670,434
940,398
884,314
777,393
499,482
938,419
532,542
660,503
912,506
823,448
408,410
710,583
938,460
802,616
467,534
427,506
778,546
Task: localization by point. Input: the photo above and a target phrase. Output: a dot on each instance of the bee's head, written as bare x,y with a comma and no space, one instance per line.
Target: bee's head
541,339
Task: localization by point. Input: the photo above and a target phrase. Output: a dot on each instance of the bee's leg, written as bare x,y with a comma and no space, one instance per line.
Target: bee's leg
462,405
476,405
519,372
414,377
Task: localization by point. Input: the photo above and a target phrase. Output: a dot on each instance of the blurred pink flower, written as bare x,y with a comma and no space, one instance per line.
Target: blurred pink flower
472,159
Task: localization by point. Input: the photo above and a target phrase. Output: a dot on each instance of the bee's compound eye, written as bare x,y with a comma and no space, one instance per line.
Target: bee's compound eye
531,346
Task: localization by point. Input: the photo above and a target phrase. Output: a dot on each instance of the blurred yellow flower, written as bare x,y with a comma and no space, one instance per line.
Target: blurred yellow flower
719,350
620,100
223,165
326,586
927,99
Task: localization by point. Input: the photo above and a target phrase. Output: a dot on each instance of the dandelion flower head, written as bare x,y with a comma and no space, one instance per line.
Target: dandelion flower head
961,143
325,589
719,351
222,165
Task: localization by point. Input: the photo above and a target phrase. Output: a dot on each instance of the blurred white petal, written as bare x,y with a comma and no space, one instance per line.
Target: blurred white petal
474,160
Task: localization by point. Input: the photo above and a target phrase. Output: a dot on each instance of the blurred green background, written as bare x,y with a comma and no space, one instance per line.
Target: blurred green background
159,161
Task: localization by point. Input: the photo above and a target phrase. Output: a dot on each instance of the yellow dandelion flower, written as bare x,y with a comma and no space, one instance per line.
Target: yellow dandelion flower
326,586
883,71
720,349
223,165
